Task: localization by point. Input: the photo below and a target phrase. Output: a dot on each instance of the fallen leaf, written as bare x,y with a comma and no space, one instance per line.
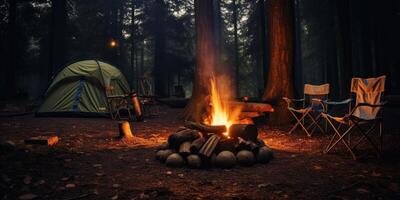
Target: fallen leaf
394,187
375,174
262,185
115,185
95,191
27,180
65,178
180,175
98,165
115,197
99,174
169,172
41,182
144,196
70,185
317,167
28,196
362,190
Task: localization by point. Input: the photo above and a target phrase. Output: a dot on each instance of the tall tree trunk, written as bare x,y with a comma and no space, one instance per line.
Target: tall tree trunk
121,44
58,48
133,71
298,65
205,60
11,53
218,34
141,65
343,52
160,68
280,76
236,45
263,66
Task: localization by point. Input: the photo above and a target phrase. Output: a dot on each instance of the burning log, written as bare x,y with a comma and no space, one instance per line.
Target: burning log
247,145
206,128
244,115
209,147
251,107
125,130
245,131
181,128
226,145
42,140
197,144
184,149
245,121
176,139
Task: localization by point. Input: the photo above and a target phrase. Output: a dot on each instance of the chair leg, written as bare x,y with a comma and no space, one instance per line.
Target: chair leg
304,128
315,122
381,137
363,137
297,123
369,139
334,135
329,148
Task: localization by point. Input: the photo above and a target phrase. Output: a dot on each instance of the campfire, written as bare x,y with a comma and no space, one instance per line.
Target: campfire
220,140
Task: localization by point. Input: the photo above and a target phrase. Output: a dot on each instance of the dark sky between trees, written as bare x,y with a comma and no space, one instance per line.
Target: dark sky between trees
334,40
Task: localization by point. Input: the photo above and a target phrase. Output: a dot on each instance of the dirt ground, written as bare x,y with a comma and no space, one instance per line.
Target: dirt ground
88,163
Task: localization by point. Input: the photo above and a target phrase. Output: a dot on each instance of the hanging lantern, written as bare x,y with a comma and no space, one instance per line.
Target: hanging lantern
113,43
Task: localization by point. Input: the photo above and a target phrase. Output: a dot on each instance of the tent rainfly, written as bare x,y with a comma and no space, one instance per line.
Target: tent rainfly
80,90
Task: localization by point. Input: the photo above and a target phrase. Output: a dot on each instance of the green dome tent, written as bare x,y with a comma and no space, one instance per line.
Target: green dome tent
79,90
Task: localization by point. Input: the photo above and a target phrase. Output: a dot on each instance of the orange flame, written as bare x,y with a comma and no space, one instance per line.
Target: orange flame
221,112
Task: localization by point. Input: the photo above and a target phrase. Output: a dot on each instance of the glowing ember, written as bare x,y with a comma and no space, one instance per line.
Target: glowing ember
221,113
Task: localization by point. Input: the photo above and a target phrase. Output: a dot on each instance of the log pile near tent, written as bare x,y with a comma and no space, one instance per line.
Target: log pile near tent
198,145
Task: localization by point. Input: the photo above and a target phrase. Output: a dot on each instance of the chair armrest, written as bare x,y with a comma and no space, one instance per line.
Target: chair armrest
292,100
381,104
344,102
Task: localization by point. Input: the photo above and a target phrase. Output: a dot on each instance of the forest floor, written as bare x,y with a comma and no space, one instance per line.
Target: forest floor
88,163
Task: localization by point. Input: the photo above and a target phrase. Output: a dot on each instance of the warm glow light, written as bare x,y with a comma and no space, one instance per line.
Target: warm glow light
221,113
113,43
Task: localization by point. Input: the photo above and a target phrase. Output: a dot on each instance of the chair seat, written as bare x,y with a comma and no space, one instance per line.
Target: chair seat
346,119
304,110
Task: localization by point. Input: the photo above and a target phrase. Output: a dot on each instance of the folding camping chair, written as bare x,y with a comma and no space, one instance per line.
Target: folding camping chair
117,103
147,98
367,111
311,108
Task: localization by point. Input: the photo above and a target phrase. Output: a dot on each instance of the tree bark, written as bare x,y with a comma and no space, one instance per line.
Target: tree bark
344,52
205,60
58,36
161,71
236,46
280,76
133,55
262,66
11,51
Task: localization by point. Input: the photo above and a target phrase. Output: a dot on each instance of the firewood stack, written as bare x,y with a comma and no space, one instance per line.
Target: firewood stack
197,145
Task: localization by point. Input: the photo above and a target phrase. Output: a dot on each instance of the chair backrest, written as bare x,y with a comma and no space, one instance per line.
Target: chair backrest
368,91
146,86
315,92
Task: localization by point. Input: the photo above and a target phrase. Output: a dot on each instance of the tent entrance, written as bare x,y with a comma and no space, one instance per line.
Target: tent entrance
78,95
